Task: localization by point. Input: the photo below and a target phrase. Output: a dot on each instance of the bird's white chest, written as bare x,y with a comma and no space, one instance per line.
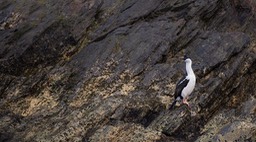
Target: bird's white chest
190,87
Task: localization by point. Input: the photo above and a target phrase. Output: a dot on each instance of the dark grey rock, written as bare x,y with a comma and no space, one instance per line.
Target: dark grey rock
105,70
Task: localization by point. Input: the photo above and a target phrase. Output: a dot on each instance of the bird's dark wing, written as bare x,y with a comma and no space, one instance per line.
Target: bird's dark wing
179,87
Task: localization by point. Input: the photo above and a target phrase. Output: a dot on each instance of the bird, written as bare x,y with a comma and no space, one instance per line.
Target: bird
186,85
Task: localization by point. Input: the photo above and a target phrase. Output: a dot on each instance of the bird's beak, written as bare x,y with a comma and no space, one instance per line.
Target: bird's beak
181,58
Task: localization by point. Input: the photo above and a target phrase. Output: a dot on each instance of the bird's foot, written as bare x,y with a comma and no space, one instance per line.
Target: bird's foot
186,102
193,113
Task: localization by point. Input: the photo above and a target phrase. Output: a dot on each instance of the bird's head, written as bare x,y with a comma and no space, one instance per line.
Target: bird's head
187,59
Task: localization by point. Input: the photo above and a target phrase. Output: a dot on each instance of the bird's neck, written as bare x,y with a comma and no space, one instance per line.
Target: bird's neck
189,69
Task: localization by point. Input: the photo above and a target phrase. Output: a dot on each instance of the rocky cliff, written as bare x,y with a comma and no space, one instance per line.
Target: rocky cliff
105,70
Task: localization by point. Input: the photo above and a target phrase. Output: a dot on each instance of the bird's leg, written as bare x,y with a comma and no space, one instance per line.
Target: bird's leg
184,101
193,113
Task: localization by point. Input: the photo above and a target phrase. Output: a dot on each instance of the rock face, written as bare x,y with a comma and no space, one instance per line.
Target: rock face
105,70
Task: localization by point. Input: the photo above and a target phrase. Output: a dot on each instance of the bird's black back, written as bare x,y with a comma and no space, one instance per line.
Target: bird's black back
179,87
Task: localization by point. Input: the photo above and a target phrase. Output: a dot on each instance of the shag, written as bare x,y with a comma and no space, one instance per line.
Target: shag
186,85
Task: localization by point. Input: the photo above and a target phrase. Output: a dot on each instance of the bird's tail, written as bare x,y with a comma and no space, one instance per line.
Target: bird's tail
173,104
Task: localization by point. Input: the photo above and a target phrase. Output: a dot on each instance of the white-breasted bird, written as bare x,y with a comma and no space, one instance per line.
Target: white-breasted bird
186,85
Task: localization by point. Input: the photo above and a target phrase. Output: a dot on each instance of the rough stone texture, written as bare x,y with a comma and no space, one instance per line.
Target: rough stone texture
105,70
